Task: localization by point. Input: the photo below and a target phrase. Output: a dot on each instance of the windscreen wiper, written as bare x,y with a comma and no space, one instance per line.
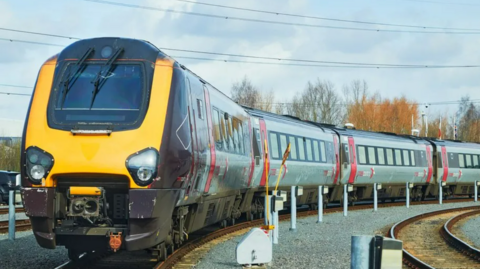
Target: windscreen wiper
100,79
66,82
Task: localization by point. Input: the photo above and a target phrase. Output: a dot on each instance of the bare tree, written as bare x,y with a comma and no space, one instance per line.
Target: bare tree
265,101
245,93
319,102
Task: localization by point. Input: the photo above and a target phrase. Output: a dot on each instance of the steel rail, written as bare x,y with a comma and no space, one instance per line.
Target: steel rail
177,255
456,242
20,225
408,258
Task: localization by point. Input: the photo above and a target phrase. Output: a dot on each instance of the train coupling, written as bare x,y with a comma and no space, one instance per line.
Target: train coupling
115,241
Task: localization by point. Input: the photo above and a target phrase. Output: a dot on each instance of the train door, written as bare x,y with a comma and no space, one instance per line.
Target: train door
353,160
191,116
429,163
200,133
444,163
266,167
211,142
336,160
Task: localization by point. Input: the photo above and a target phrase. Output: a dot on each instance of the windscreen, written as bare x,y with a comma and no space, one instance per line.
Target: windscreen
96,93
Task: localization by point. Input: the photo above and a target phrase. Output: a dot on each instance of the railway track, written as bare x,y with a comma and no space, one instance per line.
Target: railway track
428,241
4,211
193,250
190,253
20,225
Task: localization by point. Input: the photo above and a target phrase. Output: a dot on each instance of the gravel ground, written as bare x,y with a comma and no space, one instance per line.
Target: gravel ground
470,230
325,245
24,252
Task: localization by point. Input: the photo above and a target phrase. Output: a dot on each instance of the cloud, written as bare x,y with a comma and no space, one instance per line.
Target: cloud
19,63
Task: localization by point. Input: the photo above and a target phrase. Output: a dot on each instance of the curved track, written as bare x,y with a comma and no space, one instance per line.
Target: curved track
454,241
424,239
175,259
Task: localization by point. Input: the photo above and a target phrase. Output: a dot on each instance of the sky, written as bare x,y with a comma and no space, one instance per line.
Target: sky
20,62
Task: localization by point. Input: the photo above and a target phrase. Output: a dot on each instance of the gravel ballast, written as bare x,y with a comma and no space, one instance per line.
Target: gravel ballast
324,245
470,230
24,252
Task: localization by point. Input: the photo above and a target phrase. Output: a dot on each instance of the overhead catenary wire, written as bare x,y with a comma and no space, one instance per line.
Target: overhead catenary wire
444,3
14,93
453,102
277,60
325,18
226,17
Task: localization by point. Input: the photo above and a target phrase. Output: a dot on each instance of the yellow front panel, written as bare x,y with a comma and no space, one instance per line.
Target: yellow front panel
96,154
89,191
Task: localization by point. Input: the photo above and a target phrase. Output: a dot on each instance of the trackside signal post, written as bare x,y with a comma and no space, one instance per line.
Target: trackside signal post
256,246
321,191
346,189
376,187
11,206
475,192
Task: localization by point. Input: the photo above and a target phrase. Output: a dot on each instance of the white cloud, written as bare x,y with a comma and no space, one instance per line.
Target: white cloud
19,63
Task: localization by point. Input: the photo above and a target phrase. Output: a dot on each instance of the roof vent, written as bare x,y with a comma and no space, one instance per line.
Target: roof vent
415,132
349,125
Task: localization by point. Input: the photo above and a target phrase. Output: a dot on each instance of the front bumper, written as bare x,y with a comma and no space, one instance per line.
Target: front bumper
150,216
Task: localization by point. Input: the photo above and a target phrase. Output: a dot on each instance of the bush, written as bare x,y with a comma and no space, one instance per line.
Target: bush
10,156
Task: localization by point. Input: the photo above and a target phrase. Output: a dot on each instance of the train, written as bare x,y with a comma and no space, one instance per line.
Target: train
126,149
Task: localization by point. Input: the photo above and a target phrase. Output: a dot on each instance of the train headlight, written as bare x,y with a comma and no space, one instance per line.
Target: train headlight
143,166
37,172
38,164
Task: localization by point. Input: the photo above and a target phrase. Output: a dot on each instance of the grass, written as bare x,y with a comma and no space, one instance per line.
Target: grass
10,156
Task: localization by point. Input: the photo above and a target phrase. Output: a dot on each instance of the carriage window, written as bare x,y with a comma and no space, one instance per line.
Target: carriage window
461,161
389,156
243,138
412,157
468,160
200,108
406,158
301,148
216,129
475,161
362,157
257,147
308,145
283,144
371,156
238,135
274,145
232,142
223,126
381,156
322,151
345,151
293,148
316,152
398,157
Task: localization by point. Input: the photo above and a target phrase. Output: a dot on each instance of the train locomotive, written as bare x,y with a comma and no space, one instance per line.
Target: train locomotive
126,149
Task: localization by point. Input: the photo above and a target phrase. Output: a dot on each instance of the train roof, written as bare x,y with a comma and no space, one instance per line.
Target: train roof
454,143
284,118
381,135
